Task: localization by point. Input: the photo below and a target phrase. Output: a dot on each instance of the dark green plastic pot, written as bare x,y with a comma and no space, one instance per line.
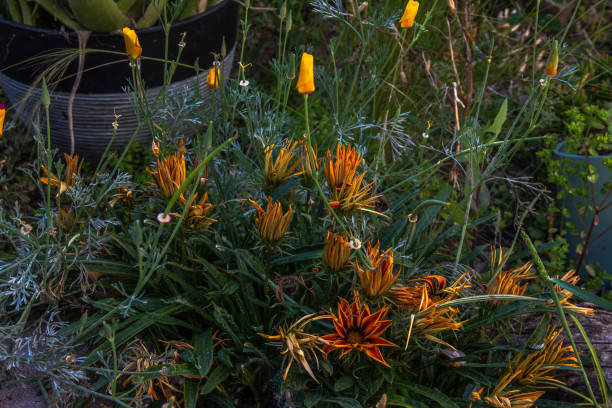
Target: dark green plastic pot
600,246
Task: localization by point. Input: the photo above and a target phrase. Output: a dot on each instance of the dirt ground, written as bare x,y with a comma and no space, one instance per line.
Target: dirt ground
16,395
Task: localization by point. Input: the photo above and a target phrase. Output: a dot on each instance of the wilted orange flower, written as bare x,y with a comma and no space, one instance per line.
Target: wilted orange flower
428,291
529,370
514,399
197,213
438,319
72,167
358,329
510,282
336,251
140,359
132,45
571,278
305,83
170,172
2,116
415,298
536,367
283,167
410,12
214,76
297,344
553,61
376,282
271,222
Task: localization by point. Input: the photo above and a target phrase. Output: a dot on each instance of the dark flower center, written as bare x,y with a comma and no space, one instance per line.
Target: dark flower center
354,337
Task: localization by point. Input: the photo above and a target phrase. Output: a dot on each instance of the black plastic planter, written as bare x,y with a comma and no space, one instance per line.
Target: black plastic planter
101,92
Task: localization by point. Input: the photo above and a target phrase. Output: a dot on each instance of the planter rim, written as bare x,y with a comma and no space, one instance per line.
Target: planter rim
559,152
98,33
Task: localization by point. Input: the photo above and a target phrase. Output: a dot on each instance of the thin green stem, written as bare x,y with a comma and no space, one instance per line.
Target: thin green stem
544,275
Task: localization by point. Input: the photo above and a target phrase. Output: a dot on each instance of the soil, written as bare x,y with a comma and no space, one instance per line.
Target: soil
15,394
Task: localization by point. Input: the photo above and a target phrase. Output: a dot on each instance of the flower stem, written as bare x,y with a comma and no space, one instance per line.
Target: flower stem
555,296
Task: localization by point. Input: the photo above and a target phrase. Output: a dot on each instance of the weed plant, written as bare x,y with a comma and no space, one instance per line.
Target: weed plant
308,248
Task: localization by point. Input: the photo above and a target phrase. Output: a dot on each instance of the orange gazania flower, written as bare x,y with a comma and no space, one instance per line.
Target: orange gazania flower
197,213
72,167
336,251
305,83
358,329
510,282
346,186
2,116
296,344
410,12
271,222
132,45
565,295
170,172
341,171
415,298
283,167
376,282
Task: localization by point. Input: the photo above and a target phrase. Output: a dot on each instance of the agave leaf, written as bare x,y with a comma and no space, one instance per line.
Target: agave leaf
125,5
59,13
13,8
99,15
151,14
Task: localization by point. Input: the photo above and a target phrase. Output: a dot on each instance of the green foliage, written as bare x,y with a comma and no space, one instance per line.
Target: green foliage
135,309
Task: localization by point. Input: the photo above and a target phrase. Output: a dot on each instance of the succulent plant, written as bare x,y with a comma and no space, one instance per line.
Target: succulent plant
101,15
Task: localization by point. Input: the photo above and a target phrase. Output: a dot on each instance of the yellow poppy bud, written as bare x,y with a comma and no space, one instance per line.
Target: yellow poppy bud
305,83
553,61
132,45
410,13
212,79
2,115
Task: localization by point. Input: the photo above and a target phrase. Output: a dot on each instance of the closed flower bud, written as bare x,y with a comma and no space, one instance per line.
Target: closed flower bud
553,61
410,13
212,79
132,45
305,83
2,115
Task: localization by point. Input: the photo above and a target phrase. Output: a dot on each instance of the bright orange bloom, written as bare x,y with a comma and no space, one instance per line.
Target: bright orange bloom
72,167
305,83
132,45
358,329
336,251
271,222
213,77
376,282
410,12
2,116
